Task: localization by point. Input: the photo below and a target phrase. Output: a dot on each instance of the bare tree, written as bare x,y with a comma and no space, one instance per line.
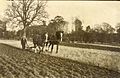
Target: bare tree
98,28
78,24
26,12
107,28
118,27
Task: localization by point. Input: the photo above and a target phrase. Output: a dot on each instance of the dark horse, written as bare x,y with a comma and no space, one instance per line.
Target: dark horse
42,40
38,41
55,39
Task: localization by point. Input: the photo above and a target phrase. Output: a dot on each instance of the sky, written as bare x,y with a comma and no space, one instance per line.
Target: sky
89,12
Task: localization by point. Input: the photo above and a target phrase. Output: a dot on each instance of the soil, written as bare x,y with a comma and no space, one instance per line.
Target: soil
17,63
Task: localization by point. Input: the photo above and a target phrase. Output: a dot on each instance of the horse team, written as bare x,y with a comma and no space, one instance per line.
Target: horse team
45,41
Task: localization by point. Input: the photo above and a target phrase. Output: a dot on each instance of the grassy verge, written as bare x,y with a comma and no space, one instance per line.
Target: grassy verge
102,56
90,46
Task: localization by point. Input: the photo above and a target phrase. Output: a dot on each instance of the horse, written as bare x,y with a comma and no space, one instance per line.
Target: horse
38,42
46,40
55,39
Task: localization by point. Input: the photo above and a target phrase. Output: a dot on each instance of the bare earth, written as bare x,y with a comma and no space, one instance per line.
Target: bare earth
16,63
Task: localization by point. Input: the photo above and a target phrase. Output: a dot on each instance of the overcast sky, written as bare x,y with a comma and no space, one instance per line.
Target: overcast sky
89,12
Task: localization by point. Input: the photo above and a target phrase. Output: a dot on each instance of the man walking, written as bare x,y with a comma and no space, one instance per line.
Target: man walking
23,42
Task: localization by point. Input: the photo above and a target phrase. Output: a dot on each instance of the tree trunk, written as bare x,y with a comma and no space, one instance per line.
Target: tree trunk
24,31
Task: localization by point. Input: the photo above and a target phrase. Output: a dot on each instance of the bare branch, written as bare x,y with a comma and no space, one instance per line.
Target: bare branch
27,11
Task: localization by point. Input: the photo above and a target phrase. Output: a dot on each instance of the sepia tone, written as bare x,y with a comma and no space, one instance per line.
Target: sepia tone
59,39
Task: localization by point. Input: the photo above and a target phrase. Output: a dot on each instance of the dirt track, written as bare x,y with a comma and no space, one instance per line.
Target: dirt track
15,63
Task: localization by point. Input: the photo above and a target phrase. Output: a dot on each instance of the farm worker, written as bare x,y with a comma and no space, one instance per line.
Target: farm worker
35,40
45,40
40,42
23,42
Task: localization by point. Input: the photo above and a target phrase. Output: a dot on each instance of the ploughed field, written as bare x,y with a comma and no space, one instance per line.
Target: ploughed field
16,63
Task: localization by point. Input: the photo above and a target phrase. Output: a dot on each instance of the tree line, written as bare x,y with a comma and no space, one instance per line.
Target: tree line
102,33
26,13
